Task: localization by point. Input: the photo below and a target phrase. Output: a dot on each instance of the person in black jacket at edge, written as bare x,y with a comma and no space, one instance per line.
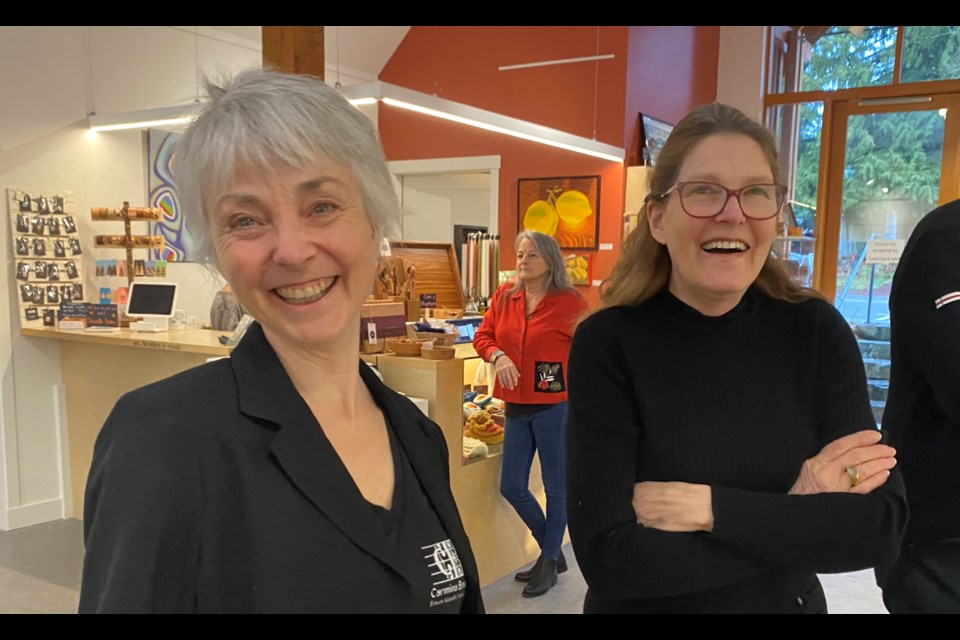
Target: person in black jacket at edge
721,448
286,478
923,415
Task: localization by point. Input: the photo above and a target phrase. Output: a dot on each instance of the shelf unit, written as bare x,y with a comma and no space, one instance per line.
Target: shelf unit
128,241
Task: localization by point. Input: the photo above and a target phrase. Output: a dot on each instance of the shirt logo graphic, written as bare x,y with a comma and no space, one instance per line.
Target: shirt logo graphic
549,377
446,571
443,561
947,299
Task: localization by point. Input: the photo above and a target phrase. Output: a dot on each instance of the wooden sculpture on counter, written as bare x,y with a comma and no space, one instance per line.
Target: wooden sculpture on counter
395,278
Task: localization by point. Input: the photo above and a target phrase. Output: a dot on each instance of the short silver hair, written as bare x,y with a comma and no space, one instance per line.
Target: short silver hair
260,115
549,250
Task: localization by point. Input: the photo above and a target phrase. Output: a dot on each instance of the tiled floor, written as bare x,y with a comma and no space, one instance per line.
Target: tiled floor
40,573
846,593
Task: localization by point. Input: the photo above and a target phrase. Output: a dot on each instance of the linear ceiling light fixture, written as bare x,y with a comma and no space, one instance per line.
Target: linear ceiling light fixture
159,117
550,63
456,112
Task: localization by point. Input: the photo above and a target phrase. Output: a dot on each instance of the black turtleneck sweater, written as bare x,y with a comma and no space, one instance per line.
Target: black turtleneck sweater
660,392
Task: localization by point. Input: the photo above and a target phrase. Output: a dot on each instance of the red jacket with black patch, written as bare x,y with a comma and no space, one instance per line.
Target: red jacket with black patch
537,345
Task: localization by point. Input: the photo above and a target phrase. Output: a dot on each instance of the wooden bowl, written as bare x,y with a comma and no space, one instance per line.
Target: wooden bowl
438,353
403,346
439,339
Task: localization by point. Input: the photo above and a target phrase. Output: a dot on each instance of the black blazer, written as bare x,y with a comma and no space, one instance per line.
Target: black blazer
214,490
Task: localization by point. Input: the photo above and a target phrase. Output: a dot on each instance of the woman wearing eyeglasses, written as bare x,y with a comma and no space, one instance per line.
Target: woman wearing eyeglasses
721,449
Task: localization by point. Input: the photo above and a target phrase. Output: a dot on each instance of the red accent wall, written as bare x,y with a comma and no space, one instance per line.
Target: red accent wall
670,72
461,64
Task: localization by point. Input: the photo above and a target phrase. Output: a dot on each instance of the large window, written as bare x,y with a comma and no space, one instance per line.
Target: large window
867,119
845,57
930,53
819,76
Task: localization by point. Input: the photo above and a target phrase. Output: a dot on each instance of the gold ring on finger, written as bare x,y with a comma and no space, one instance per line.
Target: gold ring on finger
854,474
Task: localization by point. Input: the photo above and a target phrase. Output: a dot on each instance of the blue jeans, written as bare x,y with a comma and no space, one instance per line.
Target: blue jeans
543,432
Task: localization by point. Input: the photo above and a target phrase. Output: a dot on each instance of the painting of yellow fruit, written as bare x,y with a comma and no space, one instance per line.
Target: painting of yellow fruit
573,207
541,216
565,208
578,268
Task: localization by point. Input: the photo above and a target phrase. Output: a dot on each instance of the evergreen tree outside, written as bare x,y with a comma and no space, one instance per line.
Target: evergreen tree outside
888,156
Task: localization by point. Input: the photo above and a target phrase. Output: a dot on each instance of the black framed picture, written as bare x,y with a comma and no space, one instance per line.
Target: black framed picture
568,209
653,133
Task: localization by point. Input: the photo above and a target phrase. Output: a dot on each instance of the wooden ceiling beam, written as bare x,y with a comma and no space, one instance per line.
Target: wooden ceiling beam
293,49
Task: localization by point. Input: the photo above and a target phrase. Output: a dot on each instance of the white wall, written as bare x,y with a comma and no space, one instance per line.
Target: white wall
741,68
425,216
45,147
433,203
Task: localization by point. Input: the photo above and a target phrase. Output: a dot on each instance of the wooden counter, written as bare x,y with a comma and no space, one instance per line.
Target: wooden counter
199,341
97,368
500,541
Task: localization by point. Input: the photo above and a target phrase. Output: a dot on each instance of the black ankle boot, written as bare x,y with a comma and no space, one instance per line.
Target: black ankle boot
524,576
542,580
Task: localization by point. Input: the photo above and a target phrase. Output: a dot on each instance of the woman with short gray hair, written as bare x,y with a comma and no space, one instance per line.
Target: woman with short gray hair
286,478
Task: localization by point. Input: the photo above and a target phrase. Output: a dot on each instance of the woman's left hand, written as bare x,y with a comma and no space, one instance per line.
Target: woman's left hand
673,506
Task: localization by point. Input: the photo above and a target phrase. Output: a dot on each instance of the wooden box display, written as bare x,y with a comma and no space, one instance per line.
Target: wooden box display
389,319
438,271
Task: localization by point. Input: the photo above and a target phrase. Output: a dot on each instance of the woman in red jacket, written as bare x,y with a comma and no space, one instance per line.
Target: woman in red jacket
526,335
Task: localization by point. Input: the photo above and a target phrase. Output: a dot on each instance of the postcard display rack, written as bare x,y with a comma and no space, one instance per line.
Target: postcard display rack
47,254
127,241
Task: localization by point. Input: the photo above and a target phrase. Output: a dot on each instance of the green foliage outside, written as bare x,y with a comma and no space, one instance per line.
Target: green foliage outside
897,152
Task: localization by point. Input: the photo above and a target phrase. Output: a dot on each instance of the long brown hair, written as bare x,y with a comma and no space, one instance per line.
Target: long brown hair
644,267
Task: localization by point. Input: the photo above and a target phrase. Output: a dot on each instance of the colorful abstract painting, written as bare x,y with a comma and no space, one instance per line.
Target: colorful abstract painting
162,193
565,208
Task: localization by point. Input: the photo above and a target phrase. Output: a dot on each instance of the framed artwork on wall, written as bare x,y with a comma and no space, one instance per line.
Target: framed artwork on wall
653,133
568,209
579,268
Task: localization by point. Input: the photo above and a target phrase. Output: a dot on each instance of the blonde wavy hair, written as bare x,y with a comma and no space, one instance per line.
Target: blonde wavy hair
644,267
